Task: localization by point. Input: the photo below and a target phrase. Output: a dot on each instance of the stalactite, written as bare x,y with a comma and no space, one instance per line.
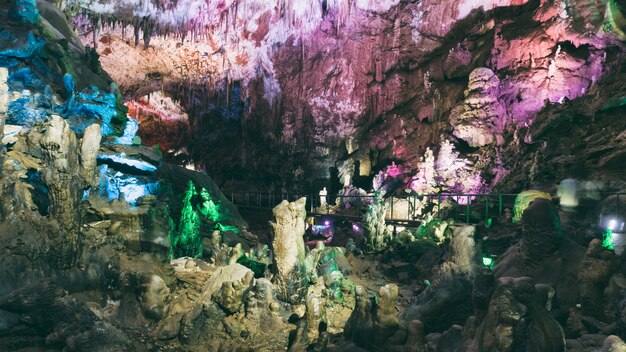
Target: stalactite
136,32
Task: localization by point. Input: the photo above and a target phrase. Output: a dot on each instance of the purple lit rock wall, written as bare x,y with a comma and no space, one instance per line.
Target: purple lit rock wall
372,81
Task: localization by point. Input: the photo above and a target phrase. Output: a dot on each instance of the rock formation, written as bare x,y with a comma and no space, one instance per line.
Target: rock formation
462,259
373,322
374,221
597,268
289,251
89,147
481,118
4,102
518,319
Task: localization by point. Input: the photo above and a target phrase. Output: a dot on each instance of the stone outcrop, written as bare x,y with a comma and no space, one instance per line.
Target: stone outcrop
374,223
544,253
373,322
481,118
89,147
232,295
61,321
155,298
4,103
519,308
289,251
462,258
598,265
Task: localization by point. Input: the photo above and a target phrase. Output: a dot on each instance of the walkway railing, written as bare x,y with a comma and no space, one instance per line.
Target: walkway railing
468,208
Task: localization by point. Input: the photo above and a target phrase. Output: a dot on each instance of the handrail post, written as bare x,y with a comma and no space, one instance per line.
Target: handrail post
486,208
467,216
500,205
439,206
391,215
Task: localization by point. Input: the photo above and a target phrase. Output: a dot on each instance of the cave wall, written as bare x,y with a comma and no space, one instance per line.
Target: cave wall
316,84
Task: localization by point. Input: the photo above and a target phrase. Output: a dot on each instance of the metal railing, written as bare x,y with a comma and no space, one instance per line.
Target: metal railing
468,208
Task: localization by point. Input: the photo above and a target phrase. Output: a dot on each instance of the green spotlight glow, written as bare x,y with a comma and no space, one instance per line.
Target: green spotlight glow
607,239
487,261
208,208
188,240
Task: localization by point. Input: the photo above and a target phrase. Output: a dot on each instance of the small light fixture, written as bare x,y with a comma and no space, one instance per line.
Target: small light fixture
487,261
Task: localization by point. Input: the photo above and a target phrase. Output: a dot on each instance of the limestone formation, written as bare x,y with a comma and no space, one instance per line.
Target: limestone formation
613,344
481,119
374,223
232,295
59,147
415,340
289,251
89,147
4,102
154,298
462,253
373,322
315,309
541,238
518,309
598,266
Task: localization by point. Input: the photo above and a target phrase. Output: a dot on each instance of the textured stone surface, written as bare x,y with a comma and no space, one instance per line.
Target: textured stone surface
155,297
483,118
374,221
89,147
371,322
462,253
4,100
379,107
509,316
289,251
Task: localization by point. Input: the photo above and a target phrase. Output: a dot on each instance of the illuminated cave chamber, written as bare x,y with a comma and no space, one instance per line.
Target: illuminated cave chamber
336,175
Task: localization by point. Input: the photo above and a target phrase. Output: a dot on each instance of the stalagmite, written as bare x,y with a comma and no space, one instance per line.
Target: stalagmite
289,251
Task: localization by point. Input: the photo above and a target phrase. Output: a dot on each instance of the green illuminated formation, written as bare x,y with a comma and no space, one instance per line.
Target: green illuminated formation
258,268
616,20
211,211
523,200
208,208
187,241
488,262
607,239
